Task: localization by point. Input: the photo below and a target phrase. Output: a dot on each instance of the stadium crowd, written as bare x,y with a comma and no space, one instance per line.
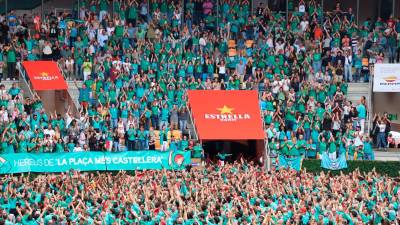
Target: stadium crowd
235,194
137,62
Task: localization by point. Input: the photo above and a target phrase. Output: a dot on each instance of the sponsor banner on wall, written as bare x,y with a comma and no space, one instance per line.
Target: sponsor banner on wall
226,115
92,161
45,75
387,78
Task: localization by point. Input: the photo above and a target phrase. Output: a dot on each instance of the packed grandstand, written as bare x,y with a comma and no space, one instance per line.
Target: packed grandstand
137,61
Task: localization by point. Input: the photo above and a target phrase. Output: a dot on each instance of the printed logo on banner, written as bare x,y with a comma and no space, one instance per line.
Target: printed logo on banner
386,78
89,161
2,161
226,115
390,79
46,77
4,164
335,165
176,159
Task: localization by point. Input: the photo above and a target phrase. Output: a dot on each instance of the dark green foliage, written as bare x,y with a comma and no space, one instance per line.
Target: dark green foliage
389,168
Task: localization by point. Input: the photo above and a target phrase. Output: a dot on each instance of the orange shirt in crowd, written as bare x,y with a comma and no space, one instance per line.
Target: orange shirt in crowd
36,21
317,33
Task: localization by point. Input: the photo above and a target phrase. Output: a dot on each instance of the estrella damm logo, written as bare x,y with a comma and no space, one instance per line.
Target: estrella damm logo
226,114
45,76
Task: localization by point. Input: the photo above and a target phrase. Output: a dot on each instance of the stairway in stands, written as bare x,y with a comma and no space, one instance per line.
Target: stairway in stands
356,91
73,89
8,83
354,94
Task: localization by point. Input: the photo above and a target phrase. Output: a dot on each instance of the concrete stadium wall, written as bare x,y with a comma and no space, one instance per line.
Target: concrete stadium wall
57,100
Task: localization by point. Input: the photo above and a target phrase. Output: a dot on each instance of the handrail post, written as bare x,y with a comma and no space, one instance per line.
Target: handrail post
370,105
193,123
195,134
22,73
267,153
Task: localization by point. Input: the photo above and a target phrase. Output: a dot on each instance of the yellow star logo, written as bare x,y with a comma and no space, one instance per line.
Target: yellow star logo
225,110
44,74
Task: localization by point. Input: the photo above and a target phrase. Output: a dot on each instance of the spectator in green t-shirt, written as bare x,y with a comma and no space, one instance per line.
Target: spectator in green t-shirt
11,61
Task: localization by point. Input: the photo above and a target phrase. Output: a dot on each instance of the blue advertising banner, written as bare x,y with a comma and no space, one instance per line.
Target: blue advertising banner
92,161
333,164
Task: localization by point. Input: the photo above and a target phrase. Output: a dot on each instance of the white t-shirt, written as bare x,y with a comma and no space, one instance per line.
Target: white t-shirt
69,62
270,43
311,104
275,86
336,124
279,47
202,41
78,149
382,127
4,115
327,42
47,50
222,70
68,120
302,8
110,30
102,38
358,142
49,132
286,84
346,110
304,25
348,60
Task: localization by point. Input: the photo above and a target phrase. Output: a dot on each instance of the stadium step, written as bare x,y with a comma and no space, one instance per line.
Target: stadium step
356,91
191,130
390,155
73,89
8,83
354,94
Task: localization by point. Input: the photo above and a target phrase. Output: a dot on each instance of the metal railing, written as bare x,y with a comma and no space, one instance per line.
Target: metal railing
370,106
193,125
74,101
25,80
267,152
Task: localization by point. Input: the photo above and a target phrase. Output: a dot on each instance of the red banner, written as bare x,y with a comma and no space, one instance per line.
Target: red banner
226,115
45,75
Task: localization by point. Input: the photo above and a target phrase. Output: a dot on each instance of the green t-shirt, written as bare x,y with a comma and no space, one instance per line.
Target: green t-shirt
11,56
322,147
22,146
317,56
